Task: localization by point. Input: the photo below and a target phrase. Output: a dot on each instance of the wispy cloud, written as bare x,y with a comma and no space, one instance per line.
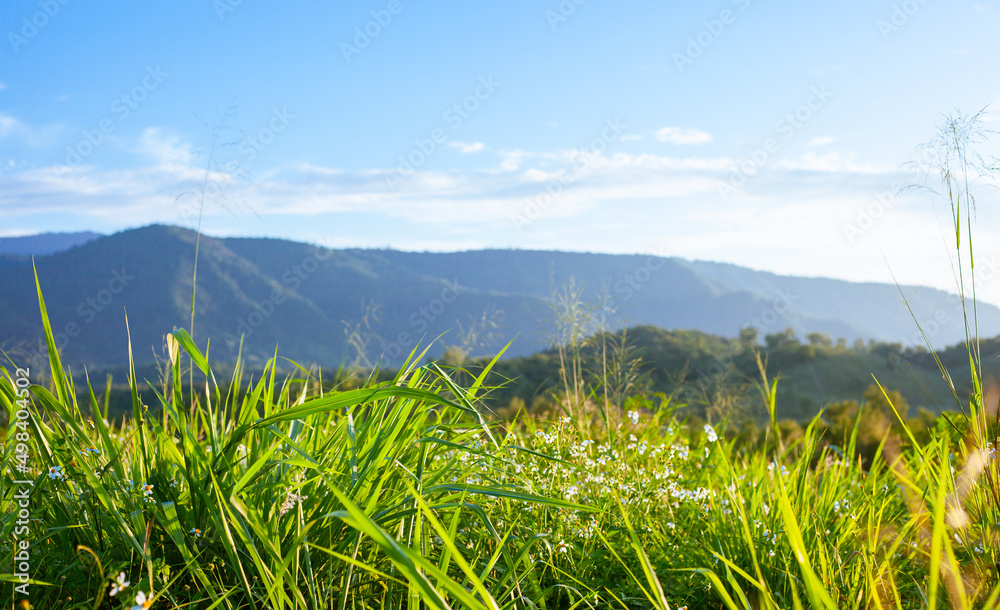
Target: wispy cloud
822,141
832,162
682,136
9,125
164,148
466,148
13,128
154,192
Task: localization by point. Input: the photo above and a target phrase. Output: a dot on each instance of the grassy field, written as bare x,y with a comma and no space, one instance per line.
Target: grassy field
401,494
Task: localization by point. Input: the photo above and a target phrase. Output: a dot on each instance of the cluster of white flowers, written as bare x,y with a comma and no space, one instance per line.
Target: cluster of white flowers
636,445
638,473
668,487
548,439
710,431
580,450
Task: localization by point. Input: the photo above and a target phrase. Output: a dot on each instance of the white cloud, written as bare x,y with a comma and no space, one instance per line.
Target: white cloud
466,147
12,127
163,148
306,189
822,141
164,189
681,136
832,162
9,125
3,85
512,159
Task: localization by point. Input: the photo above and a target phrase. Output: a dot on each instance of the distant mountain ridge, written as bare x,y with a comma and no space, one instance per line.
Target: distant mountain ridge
330,306
44,243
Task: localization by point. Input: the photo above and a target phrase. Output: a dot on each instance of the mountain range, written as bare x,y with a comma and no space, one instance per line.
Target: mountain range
44,243
358,306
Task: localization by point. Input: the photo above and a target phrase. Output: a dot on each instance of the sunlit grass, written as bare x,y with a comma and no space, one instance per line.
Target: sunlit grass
401,494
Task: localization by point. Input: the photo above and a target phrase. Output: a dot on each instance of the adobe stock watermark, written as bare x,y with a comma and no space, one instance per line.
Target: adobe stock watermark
261,311
454,117
990,270
563,12
36,353
625,289
364,35
934,322
191,203
537,205
714,28
255,143
900,15
787,126
781,305
22,481
122,107
766,319
87,311
30,27
420,320
224,7
930,326
868,214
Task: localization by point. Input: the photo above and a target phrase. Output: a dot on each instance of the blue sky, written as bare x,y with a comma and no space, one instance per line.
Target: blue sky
739,131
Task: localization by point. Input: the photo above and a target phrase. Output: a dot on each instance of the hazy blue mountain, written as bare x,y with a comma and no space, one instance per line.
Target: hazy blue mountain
874,310
716,298
308,300
44,243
